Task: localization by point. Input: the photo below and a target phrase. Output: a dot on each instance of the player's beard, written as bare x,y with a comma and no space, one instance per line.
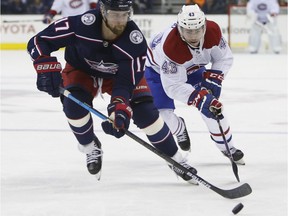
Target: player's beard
118,29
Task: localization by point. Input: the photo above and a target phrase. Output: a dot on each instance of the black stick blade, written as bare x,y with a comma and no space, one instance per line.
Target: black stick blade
241,191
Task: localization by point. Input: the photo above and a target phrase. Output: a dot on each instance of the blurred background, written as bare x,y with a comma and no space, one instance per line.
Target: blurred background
22,19
140,6
43,173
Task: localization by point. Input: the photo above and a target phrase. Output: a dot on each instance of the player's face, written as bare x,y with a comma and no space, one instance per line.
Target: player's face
193,36
117,21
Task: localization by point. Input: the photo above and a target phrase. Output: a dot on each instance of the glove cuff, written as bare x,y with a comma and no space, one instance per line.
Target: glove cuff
127,109
213,74
118,99
47,64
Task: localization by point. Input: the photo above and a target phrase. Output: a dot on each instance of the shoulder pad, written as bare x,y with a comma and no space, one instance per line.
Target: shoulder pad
175,48
212,35
132,40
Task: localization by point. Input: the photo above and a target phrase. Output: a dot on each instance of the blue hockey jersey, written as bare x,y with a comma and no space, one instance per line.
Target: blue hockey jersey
85,49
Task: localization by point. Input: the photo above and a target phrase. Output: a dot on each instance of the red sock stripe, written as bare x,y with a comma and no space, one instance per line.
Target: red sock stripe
219,134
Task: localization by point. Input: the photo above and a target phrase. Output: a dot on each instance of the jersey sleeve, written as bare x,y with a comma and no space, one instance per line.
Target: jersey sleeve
275,8
174,77
57,5
93,1
221,54
249,9
57,35
167,54
221,57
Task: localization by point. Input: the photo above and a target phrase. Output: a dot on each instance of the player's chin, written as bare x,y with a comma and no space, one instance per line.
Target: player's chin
119,29
193,42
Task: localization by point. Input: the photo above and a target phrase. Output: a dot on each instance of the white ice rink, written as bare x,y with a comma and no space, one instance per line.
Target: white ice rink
44,174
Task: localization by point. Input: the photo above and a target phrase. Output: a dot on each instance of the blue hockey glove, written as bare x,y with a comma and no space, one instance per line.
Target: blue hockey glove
48,75
206,103
212,81
121,114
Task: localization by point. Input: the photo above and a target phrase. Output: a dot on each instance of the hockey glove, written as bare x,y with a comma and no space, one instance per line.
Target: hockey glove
49,17
212,81
121,114
48,75
206,103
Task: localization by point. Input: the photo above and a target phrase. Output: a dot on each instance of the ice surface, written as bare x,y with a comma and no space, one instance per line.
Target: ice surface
43,173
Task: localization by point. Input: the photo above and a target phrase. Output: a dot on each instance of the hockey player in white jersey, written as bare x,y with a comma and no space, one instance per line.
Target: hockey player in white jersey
68,8
175,70
263,14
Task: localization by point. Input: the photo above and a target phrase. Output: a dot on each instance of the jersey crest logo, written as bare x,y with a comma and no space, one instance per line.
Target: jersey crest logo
88,19
136,37
110,68
262,7
75,3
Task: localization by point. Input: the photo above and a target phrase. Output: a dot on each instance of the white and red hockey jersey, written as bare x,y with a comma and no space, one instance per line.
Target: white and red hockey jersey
72,7
263,9
175,60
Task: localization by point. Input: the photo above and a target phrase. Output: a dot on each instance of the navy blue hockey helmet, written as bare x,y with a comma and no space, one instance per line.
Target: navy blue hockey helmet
117,5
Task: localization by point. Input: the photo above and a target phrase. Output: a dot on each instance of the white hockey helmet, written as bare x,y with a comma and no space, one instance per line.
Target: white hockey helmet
191,17
191,24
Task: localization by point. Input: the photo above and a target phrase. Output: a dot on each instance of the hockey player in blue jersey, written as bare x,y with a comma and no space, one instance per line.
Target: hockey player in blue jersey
105,52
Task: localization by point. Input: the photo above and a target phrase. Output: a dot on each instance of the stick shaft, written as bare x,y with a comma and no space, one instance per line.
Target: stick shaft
242,190
234,165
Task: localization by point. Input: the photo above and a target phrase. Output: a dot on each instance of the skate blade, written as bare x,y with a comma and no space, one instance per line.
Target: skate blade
98,175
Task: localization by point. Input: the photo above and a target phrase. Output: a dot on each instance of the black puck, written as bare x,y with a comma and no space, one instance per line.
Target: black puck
237,208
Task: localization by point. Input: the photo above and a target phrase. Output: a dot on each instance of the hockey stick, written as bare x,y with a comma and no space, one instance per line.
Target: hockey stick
20,21
266,29
234,165
240,191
